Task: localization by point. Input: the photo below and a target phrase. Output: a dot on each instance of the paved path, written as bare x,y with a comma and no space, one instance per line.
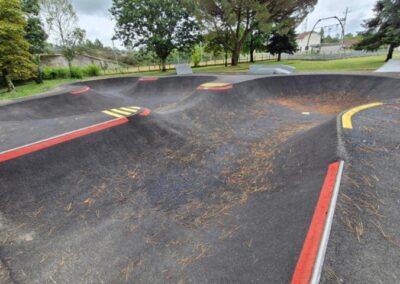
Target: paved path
392,66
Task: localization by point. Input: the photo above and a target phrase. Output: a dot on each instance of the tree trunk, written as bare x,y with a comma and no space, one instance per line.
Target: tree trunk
251,48
235,56
279,56
39,78
70,66
390,52
9,84
236,50
226,58
163,65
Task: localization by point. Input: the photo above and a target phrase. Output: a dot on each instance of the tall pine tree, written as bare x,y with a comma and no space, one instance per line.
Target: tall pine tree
35,34
15,60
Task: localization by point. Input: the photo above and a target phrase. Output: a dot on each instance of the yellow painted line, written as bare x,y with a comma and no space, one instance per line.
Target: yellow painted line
211,85
135,107
346,117
121,111
129,109
112,114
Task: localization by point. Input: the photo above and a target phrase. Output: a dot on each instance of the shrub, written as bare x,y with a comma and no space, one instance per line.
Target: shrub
76,73
92,70
62,73
52,73
49,73
196,56
40,76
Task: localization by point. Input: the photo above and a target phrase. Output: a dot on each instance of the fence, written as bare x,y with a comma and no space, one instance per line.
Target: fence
208,61
332,55
215,61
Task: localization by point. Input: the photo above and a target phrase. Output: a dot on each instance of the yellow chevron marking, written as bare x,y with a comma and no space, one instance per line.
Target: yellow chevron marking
129,109
121,111
112,114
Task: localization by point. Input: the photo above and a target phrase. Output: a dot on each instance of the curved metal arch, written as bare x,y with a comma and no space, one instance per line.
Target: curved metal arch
324,19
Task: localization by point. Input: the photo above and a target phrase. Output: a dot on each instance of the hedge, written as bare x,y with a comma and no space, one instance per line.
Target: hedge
52,73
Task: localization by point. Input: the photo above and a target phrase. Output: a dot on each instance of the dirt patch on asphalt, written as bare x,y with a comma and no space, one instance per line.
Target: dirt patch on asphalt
325,104
246,175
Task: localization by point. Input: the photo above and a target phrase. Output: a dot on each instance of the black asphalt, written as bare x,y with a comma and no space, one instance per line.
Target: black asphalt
212,187
365,240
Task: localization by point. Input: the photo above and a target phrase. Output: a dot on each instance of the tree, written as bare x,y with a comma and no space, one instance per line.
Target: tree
157,25
219,42
257,41
330,39
72,44
322,35
15,60
282,43
383,29
197,55
240,17
97,44
61,20
35,34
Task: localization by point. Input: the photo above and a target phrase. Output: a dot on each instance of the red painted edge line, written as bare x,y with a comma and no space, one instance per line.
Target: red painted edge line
144,79
80,91
145,112
202,88
305,264
37,146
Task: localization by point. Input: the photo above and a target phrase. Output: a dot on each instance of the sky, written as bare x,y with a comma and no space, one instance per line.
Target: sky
358,11
95,18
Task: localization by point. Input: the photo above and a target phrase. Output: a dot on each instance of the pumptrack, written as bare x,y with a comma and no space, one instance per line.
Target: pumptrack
212,186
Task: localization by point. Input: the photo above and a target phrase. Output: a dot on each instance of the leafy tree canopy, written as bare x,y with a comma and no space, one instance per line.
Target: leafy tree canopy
158,25
35,34
218,42
383,28
240,18
62,21
31,7
282,43
257,41
15,60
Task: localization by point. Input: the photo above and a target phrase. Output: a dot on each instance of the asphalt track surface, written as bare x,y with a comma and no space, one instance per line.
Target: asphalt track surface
211,187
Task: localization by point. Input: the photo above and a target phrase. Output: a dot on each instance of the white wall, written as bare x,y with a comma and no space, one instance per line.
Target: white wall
80,60
315,39
331,48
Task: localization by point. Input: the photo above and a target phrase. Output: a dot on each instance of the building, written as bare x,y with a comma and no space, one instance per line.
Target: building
336,47
302,40
82,60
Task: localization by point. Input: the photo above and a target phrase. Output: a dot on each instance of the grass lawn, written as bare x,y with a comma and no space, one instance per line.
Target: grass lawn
369,63
32,88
